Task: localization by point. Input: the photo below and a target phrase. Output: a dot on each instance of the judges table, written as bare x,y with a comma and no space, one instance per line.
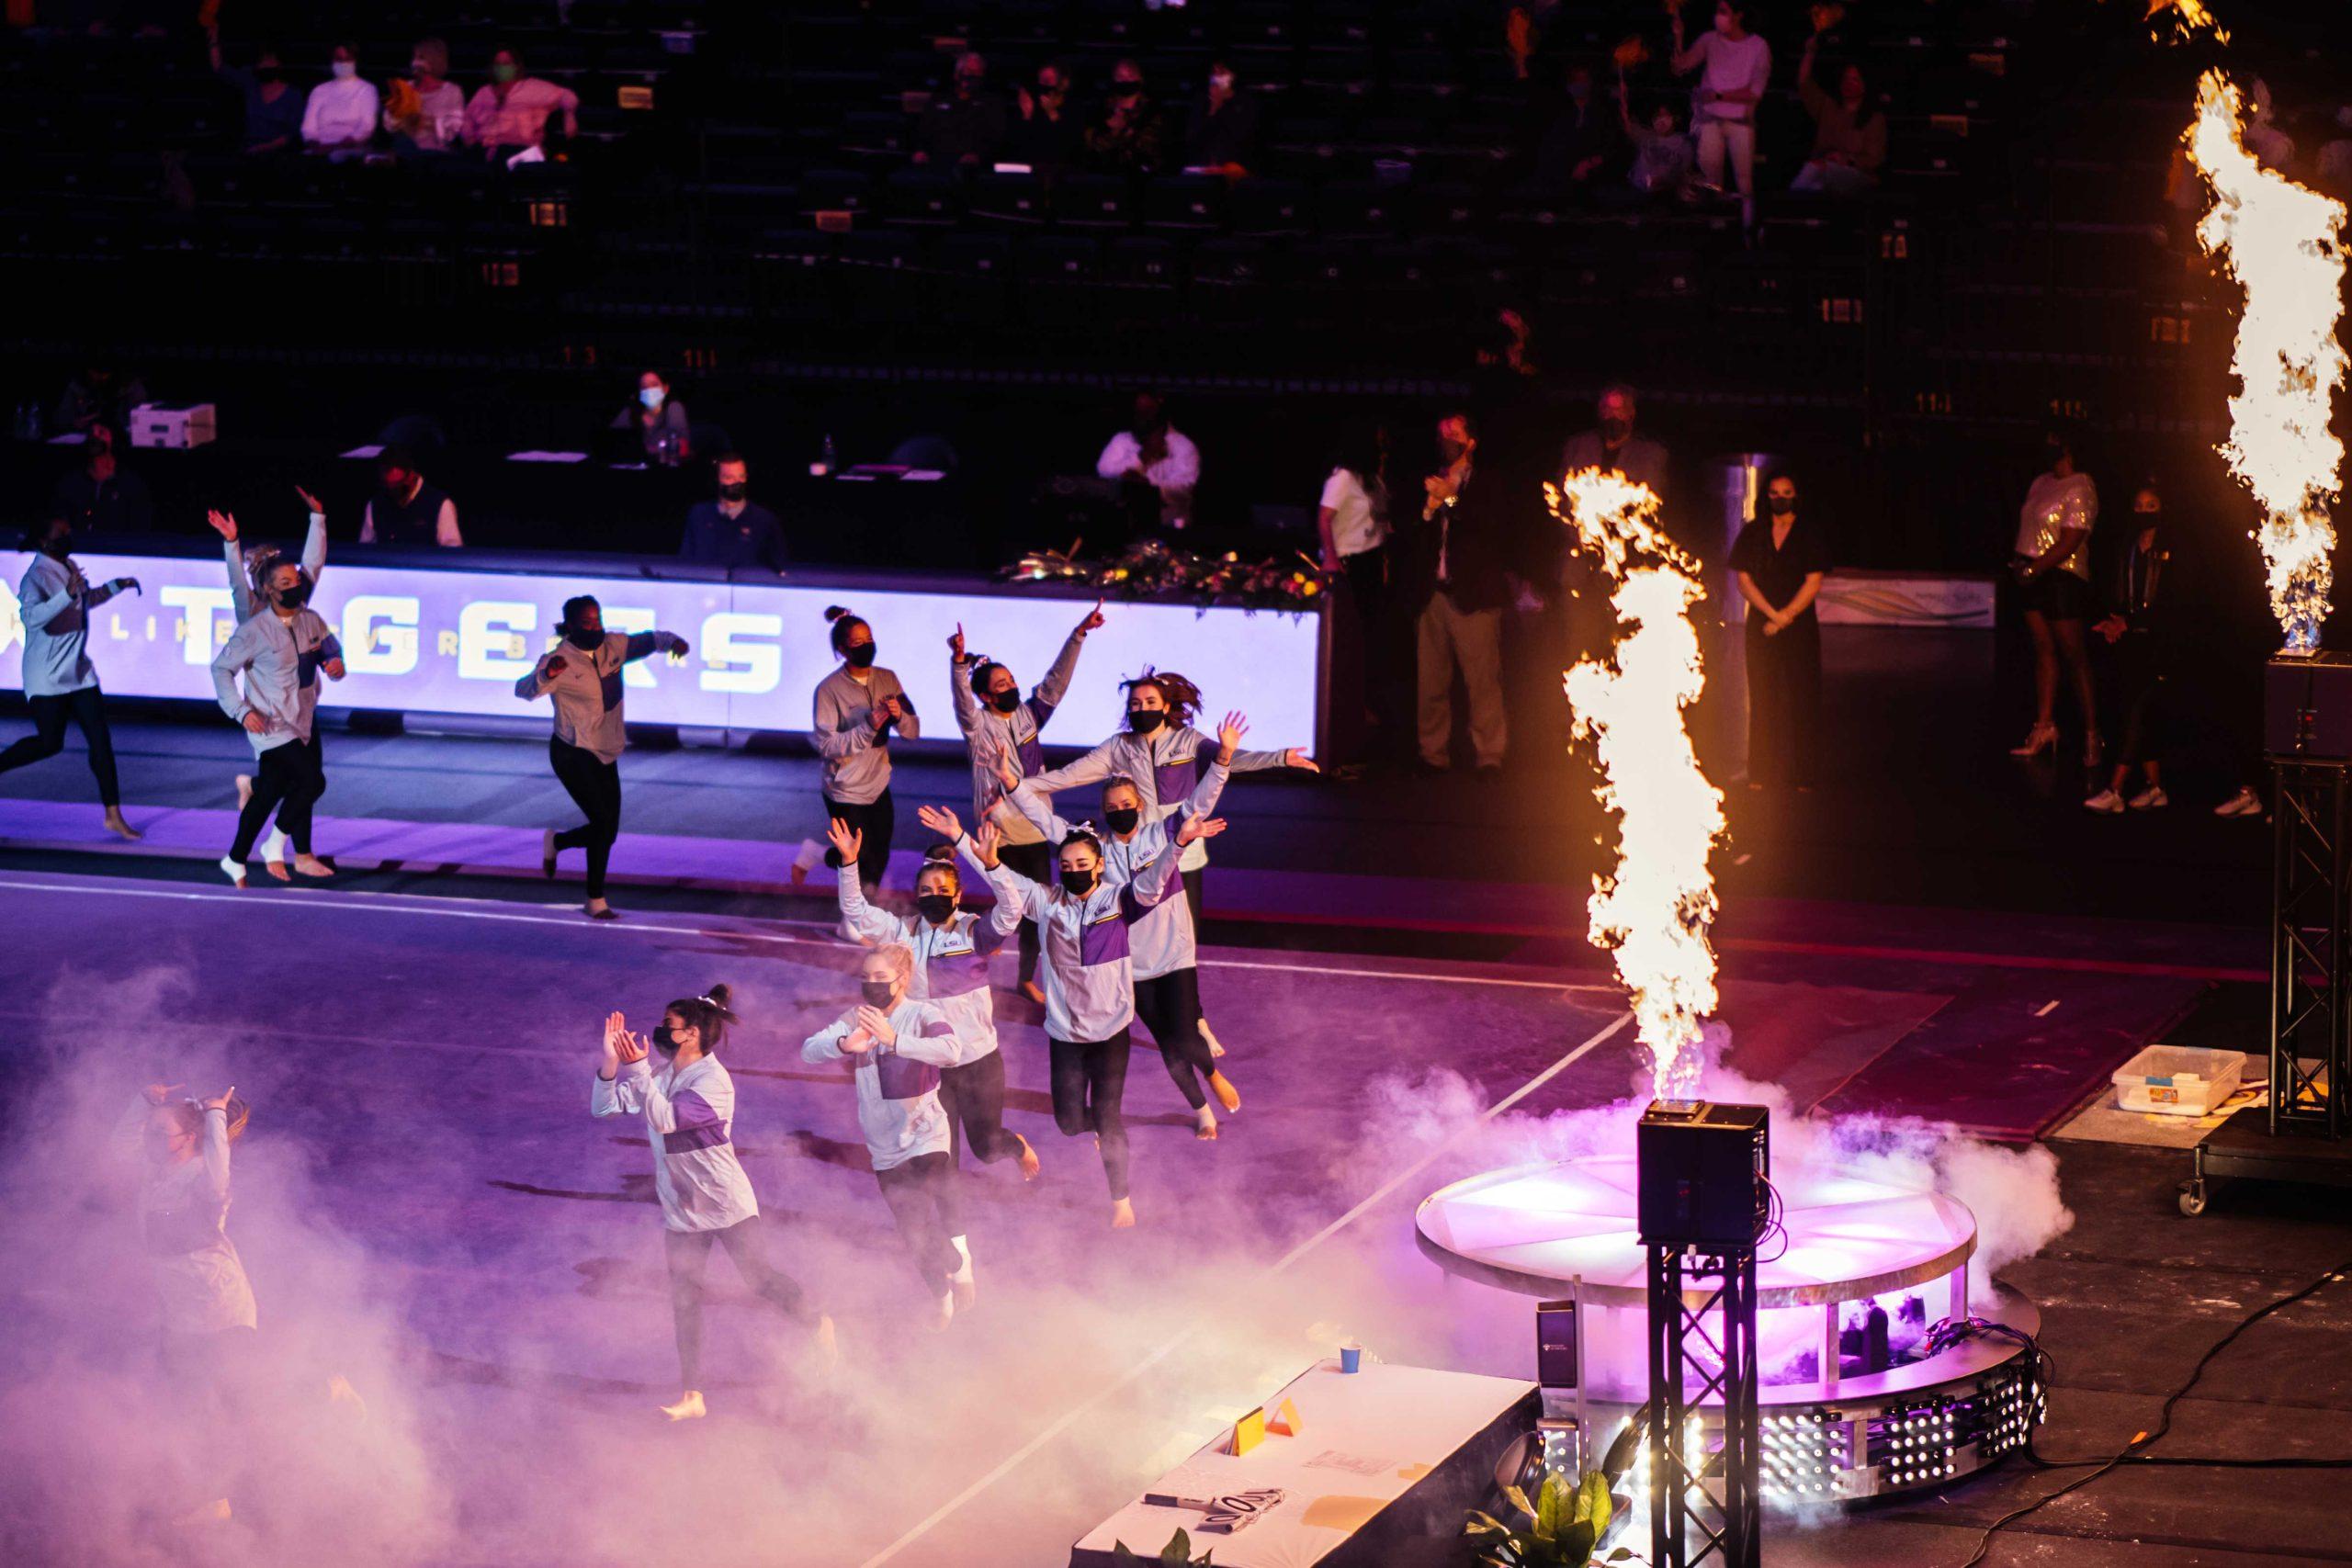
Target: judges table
1385,1463
451,632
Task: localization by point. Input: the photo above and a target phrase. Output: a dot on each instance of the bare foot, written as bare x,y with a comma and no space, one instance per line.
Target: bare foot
312,865
689,1407
598,910
1029,1165
121,829
826,1344
1226,1095
963,1289
278,869
944,1313
1123,1215
1204,1126
244,790
1216,1047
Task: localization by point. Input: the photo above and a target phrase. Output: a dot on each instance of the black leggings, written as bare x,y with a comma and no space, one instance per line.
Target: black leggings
1170,1006
288,781
88,709
1196,882
688,1252
2140,680
973,1095
1090,1080
922,1195
875,821
594,786
1034,862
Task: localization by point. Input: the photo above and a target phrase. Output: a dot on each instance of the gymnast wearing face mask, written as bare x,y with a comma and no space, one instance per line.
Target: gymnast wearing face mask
583,675
689,1110
1003,731
277,655
859,706
1088,970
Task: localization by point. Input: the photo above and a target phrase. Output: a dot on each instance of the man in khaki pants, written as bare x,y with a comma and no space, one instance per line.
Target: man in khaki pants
1453,574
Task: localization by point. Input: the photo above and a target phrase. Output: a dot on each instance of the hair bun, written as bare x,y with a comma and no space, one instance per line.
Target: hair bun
940,854
720,996
834,612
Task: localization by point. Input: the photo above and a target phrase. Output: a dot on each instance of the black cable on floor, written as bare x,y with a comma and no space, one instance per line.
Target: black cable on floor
2131,1454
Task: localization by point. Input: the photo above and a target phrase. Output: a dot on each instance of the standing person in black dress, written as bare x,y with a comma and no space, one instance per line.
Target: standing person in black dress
2136,626
1780,561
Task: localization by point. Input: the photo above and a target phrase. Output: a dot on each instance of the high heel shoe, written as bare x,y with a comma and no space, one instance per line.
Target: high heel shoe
2040,739
2093,749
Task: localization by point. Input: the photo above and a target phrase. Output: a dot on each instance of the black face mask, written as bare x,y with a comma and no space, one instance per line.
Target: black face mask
1079,882
1142,721
859,657
1451,452
1006,700
1781,506
733,492
57,546
1123,821
877,992
584,637
294,598
936,907
1615,430
2052,453
665,1040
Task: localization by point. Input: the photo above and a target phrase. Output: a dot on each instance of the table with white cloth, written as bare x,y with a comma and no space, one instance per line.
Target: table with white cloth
1385,1463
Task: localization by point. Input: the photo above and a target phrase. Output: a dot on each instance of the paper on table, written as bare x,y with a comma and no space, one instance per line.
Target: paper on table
70,438
368,451
547,457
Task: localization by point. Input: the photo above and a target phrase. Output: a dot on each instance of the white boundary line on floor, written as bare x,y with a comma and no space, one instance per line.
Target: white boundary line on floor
1070,1418
480,909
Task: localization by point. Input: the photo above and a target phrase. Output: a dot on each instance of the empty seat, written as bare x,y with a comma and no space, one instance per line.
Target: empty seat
1093,201
1008,200
1270,208
1184,203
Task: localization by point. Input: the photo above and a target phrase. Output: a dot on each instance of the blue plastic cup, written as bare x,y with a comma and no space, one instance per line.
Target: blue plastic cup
1350,1358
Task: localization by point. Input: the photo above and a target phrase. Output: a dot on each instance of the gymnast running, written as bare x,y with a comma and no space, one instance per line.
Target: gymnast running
53,601
245,568
279,653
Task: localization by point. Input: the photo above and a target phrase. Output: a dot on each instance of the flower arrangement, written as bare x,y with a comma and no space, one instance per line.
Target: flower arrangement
1152,571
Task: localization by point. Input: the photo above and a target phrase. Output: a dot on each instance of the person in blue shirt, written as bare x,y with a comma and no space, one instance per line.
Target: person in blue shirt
733,530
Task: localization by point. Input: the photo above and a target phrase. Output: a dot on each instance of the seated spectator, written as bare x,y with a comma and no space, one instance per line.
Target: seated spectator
1662,160
1152,455
100,497
965,126
340,119
1580,143
511,113
1126,137
425,112
1221,134
98,397
1044,134
273,109
734,530
1849,134
660,422
405,510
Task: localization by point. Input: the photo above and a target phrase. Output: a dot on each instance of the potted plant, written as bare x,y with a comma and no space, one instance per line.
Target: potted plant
1562,1526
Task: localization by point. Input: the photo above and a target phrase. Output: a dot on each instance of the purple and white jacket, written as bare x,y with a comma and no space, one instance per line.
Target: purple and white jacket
897,1086
991,736
1162,941
690,1116
951,961
1089,974
1165,765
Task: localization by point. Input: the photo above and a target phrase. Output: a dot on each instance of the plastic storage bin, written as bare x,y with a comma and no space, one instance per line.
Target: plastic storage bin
2178,1080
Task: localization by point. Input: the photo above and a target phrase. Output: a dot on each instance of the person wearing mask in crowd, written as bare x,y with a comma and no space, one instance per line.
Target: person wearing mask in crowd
1578,149
102,496
1221,129
1453,578
1044,134
583,675
1351,528
898,1049
1735,65
340,119
1614,446
279,654
1662,165
733,530
53,601
1152,456
1126,137
964,125
425,112
511,112
246,568
1161,943
857,708
1004,734
2052,564
659,420
1778,561
273,109
951,947
97,401
2137,628
405,510
706,1200
1083,919
1849,131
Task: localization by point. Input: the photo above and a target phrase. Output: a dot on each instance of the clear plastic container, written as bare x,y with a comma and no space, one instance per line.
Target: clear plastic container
2178,1080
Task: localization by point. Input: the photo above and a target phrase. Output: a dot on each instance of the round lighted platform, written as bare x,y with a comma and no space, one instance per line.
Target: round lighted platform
1833,1427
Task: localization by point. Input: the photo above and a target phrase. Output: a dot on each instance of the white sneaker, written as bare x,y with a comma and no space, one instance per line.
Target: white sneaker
2246,803
2152,798
2105,802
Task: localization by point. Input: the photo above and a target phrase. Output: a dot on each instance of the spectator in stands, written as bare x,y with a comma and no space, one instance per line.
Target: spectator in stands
1153,455
1734,66
101,497
273,109
1450,574
511,113
964,125
1662,163
405,510
734,530
660,422
1778,562
1127,138
1580,143
1045,134
427,112
1221,131
340,117
1849,131
98,397
2052,563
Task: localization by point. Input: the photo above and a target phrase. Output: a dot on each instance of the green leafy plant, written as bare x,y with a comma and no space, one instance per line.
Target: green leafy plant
1177,1553
1564,1524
